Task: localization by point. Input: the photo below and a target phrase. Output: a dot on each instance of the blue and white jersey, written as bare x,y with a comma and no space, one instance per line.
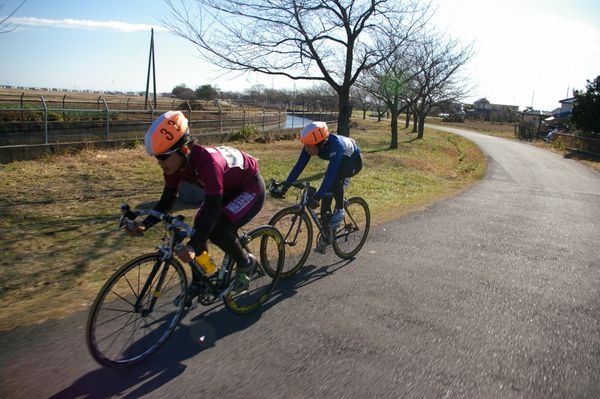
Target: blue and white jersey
336,149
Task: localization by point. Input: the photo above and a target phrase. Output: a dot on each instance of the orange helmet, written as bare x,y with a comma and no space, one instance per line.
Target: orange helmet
168,133
314,133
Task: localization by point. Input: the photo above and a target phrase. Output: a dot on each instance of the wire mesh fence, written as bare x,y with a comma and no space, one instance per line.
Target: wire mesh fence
44,120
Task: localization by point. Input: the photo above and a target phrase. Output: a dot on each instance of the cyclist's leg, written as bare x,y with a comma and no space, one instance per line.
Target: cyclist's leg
348,168
326,204
237,212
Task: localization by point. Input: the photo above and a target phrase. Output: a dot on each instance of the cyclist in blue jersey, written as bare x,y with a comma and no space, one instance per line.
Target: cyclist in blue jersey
345,161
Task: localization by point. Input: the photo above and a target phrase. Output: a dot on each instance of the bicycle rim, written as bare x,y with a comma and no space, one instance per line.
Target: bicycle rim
352,233
297,232
120,334
266,243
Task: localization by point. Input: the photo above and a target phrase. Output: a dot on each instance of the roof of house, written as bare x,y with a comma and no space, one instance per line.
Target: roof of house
535,112
570,100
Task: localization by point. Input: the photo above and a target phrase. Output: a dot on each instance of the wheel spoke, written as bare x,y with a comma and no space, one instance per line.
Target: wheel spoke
117,336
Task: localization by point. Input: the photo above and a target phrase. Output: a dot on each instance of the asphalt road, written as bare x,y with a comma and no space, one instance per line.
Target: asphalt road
490,294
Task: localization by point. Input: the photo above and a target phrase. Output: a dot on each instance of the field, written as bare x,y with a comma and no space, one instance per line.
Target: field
59,214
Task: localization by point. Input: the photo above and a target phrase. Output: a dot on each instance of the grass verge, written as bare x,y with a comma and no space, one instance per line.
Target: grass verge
58,215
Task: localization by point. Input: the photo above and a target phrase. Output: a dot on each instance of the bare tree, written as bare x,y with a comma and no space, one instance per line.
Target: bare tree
439,61
6,24
361,97
322,40
389,84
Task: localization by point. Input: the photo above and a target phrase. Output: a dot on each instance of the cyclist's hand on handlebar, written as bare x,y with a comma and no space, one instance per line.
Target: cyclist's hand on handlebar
277,192
133,228
186,253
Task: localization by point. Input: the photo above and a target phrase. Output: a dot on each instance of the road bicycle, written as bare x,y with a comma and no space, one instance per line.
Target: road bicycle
294,223
141,304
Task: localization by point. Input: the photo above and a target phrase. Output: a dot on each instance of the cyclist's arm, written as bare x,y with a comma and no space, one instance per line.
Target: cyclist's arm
165,204
299,167
206,220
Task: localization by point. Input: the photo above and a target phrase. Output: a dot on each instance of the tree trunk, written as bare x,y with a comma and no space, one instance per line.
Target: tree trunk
364,113
415,122
394,126
421,126
343,127
407,122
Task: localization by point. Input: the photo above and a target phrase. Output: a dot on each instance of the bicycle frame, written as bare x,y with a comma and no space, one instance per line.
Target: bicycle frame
303,208
177,231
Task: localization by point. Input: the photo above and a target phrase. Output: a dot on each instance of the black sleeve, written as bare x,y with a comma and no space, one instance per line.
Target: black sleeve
167,199
206,220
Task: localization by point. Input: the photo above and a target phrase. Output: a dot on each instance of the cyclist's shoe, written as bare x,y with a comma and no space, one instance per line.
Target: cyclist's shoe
337,218
244,275
322,244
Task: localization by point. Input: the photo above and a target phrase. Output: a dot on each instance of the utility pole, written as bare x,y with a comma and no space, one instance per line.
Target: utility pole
151,65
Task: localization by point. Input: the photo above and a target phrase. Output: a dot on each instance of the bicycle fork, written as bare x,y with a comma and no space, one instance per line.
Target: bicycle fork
148,285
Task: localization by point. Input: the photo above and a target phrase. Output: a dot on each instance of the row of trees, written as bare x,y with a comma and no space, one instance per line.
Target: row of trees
203,92
381,51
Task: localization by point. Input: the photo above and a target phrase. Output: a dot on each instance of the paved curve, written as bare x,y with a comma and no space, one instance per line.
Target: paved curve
492,293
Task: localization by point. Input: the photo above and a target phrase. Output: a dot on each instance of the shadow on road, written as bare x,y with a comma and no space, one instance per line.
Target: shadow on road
188,340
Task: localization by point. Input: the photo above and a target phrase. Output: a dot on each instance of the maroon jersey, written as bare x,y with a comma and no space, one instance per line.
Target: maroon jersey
218,170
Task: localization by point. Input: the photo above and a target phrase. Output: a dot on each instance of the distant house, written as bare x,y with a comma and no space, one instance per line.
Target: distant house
566,106
483,109
534,116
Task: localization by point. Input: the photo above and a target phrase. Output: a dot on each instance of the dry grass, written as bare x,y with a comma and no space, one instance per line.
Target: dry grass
58,215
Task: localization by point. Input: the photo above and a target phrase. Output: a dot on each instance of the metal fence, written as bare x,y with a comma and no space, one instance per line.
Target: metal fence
45,122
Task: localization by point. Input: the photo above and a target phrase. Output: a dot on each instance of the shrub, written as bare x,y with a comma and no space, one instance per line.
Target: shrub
453,118
246,134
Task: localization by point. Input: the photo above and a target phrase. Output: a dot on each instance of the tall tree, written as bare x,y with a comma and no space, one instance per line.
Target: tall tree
6,24
586,110
323,40
183,92
206,92
389,82
439,61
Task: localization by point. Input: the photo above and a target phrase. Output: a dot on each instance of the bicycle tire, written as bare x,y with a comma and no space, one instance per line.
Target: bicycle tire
267,242
140,334
351,235
297,231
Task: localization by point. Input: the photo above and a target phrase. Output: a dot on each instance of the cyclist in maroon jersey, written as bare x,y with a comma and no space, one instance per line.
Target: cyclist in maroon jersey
234,190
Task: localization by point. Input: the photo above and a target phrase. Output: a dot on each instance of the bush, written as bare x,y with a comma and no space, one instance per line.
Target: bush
453,118
246,134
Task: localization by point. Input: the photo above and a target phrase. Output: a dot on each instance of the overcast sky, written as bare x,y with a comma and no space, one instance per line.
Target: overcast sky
527,52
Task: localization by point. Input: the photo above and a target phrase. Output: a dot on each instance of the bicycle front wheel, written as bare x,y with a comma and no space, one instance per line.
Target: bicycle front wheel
352,233
136,311
297,232
266,244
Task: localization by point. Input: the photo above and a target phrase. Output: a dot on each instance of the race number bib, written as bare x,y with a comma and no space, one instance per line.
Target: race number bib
233,157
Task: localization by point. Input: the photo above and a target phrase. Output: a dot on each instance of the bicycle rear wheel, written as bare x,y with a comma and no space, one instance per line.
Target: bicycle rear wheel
297,232
352,233
136,311
266,243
